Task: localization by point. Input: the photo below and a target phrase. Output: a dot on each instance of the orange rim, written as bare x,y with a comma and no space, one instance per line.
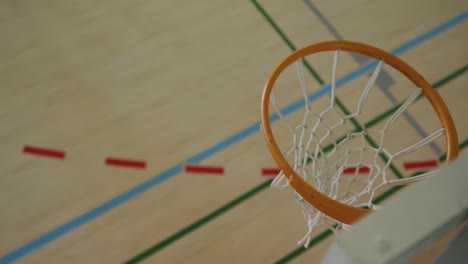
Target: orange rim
342,212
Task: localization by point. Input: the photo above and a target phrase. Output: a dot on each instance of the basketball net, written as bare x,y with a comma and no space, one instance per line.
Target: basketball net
335,178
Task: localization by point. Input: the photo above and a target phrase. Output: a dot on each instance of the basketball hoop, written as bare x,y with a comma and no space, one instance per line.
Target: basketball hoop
313,178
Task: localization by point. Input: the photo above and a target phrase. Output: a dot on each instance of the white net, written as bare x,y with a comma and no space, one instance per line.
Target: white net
332,150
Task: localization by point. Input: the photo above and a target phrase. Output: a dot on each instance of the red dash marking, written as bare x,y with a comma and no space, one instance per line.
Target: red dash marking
204,169
270,171
421,164
44,152
126,163
352,170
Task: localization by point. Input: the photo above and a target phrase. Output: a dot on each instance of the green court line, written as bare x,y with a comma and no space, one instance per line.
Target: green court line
286,39
204,220
451,77
300,250
199,223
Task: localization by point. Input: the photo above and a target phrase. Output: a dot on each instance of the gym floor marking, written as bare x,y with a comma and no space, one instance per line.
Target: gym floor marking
352,170
139,164
39,151
204,169
271,172
423,164
131,193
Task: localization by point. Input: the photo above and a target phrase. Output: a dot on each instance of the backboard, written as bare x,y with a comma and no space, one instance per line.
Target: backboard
415,219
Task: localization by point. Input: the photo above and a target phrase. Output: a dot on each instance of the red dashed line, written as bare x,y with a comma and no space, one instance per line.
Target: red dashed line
204,169
423,164
352,170
126,163
58,154
269,172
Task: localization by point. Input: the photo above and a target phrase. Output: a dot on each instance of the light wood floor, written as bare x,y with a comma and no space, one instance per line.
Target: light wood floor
171,83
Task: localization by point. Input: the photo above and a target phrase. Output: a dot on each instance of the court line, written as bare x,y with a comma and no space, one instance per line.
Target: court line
300,250
257,189
270,172
384,82
138,164
133,192
420,164
192,168
51,153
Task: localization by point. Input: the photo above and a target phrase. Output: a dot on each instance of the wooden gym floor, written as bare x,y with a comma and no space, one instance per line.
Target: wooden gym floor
171,83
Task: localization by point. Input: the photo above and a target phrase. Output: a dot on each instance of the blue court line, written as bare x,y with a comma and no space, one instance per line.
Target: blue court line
122,198
426,36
